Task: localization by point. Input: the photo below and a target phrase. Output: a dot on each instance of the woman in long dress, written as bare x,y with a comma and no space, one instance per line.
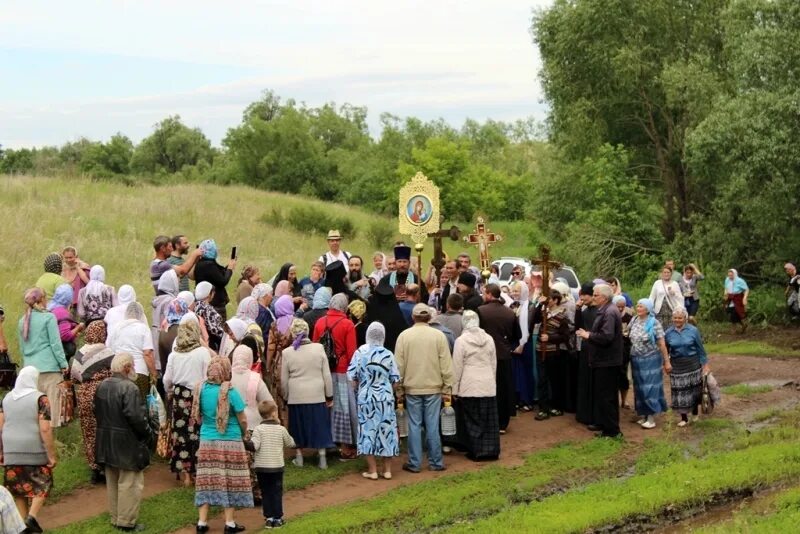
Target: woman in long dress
736,292
689,363
474,371
280,337
374,372
649,362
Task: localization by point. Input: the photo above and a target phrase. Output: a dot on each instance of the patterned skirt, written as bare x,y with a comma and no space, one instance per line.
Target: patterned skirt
648,384
29,481
686,382
377,429
664,315
480,428
310,426
86,394
185,432
223,476
344,421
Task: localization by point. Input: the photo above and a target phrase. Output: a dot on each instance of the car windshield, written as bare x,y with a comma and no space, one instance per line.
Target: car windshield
567,275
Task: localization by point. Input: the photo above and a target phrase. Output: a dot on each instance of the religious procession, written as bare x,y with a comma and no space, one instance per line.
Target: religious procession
355,355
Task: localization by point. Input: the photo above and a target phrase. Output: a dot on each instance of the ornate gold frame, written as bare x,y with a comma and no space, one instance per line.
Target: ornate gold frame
419,185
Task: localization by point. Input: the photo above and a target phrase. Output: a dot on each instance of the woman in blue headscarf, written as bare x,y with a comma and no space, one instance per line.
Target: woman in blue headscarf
648,357
208,270
736,292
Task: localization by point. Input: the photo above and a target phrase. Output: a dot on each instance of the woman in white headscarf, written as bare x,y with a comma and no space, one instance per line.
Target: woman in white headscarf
374,373
29,450
132,336
474,372
166,292
522,361
116,315
210,319
96,298
235,330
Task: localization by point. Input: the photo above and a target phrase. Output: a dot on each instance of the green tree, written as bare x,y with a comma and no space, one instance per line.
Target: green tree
103,159
171,147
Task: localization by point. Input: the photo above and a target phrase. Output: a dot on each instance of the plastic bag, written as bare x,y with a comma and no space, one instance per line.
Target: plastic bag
155,408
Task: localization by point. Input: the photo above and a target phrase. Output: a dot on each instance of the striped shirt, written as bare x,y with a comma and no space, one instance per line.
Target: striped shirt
269,439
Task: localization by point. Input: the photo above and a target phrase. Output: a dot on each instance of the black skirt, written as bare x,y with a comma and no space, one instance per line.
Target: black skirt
480,428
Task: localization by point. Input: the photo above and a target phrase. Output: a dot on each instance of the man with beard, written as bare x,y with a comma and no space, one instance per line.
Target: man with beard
356,281
466,288
161,264
180,247
402,276
336,279
501,323
584,319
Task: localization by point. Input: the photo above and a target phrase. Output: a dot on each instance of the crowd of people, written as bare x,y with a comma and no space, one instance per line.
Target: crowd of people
329,363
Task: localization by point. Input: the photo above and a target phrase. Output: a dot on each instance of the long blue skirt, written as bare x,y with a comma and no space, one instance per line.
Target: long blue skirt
522,370
310,425
648,383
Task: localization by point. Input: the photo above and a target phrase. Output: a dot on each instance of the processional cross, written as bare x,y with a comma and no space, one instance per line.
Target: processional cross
438,254
546,264
483,239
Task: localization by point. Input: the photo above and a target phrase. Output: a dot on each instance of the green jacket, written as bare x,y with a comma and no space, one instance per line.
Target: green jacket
43,348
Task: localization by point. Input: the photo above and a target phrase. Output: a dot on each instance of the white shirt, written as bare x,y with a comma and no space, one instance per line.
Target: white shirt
186,369
329,257
666,290
134,338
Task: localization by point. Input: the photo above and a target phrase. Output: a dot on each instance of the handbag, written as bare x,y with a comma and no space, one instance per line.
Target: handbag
8,371
706,401
164,442
66,394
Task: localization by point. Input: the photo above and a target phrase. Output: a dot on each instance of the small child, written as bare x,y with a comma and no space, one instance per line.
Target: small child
269,438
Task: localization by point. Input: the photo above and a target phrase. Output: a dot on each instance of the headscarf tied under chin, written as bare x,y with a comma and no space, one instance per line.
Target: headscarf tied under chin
209,247
62,297
97,278
650,323
53,263
33,298
219,373
376,335
284,311
299,333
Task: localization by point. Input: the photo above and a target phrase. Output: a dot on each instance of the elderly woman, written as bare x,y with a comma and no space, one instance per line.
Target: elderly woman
343,332
254,338
319,307
626,316
357,312
40,346
68,328
522,361
215,326
373,372
168,331
666,297
223,476
96,298
551,355
28,446
736,292
132,336
263,295
116,314
649,362
250,278
280,337
235,331
474,371
90,366
186,367
689,363
307,388
167,291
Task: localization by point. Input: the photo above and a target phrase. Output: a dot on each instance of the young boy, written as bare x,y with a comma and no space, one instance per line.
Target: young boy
269,439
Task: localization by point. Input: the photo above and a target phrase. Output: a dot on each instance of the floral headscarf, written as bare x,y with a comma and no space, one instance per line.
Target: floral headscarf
209,247
188,337
219,372
299,333
33,298
247,310
95,333
177,309
357,309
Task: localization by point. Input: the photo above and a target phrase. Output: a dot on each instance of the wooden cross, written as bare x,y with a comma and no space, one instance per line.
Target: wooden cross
438,254
483,239
546,264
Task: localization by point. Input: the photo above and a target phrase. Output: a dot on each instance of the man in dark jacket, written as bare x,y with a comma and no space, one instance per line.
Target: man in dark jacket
123,434
466,288
208,270
605,358
501,323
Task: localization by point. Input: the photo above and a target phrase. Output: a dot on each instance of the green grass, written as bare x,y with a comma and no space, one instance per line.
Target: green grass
745,390
435,503
750,348
783,516
173,509
613,501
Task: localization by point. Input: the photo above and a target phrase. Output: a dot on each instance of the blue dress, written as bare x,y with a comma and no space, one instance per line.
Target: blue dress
375,370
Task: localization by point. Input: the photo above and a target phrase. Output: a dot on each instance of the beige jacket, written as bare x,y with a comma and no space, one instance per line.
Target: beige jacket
423,359
474,364
306,375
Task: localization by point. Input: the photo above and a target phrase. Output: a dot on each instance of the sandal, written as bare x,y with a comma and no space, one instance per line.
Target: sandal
541,416
387,475
371,476
556,413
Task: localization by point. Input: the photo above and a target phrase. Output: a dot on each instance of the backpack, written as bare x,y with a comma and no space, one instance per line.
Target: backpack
326,340
325,257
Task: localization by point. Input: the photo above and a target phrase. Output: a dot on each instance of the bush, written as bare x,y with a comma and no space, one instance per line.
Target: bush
311,219
380,234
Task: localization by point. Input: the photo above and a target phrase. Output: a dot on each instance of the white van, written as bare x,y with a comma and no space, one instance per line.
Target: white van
506,264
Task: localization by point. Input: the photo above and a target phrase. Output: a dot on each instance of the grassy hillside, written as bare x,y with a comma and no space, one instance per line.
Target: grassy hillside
114,225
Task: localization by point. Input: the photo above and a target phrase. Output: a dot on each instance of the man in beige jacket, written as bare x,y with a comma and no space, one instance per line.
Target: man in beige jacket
426,370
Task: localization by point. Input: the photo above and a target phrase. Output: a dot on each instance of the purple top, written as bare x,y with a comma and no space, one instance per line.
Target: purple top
65,323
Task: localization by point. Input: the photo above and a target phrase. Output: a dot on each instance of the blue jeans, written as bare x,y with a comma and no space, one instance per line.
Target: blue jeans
424,410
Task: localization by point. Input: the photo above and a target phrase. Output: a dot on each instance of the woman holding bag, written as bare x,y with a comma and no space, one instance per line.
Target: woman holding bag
666,296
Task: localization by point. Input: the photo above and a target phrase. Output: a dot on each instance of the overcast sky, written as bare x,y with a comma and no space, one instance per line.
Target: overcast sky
93,68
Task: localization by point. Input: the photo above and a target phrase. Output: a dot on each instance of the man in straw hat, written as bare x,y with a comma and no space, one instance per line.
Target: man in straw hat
335,253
